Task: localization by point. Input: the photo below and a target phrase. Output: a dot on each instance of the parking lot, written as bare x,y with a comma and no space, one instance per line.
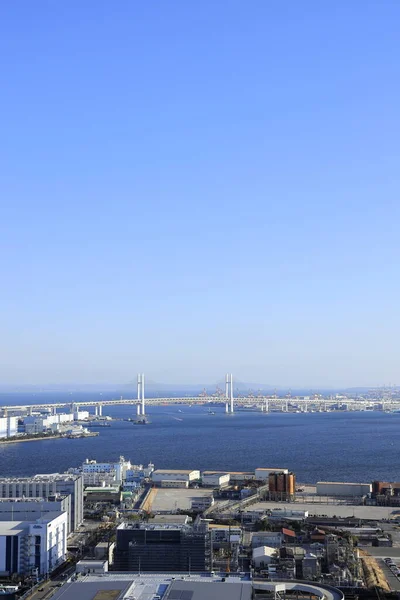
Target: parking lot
172,500
391,577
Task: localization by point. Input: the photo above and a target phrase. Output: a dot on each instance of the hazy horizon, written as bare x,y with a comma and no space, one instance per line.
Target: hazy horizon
191,188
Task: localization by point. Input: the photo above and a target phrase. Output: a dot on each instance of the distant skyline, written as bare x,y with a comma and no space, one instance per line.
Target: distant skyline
193,188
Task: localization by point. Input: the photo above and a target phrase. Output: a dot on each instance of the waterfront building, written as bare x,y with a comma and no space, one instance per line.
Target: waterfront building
188,475
157,547
37,546
43,486
8,427
215,479
336,488
120,472
262,474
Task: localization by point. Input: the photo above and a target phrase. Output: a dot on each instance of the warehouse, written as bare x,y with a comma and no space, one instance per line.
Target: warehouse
213,479
262,473
336,488
188,475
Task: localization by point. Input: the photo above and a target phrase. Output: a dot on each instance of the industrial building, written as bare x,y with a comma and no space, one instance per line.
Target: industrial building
215,479
188,475
263,556
156,547
8,427
174,483
201,503
282,486
262,474
336,488
41,423
43,486
29,509
29,545
110,494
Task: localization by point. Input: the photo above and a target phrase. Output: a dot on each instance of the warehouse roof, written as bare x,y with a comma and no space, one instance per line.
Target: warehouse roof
340,483
185,471
264,551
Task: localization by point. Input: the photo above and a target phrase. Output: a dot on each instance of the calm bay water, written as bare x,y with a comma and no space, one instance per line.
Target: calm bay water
316,446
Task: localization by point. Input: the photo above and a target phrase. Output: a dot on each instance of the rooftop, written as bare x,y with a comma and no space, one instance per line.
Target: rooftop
41,478
341,483
185,471
264,551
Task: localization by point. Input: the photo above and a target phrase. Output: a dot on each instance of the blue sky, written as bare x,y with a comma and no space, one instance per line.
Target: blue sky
193,188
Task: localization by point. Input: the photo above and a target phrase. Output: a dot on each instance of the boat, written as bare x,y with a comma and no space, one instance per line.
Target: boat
211,412
143,421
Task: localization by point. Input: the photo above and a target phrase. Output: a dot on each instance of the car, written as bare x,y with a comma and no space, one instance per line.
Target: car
387,559
41,589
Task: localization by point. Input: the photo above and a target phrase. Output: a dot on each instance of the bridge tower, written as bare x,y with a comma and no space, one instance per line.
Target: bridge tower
229,393
140,394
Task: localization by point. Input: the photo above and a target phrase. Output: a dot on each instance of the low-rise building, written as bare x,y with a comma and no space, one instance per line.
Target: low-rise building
262,474
215,479
189,475
263,556
86,567
336,488
201,503
174,483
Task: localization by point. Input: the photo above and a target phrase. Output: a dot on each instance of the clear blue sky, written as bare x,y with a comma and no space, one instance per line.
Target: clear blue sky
190,188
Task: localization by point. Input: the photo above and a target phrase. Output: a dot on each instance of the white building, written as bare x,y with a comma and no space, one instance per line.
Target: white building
8,426
28,545
30,509
336,488
262,473
188,475
99,567
263,556
43,486
201,503
217,480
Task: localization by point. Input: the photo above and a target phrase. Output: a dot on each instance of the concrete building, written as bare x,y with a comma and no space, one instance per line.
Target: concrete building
263,556
29,509
336,488
43,486
8,427
215,480
201,503
174,483
155,547
92,566
262,474
188,475
29,545
111,494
